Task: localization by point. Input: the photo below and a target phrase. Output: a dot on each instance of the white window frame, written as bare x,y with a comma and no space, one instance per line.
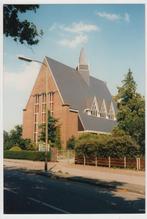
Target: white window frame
111,108
51,102
103,105
35,132
95,104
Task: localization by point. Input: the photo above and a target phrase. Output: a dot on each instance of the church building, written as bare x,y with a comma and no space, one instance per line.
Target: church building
80,102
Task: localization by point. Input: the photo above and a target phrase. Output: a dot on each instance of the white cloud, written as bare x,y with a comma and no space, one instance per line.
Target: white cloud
74,34
80,27
17,89
75,41
22,81
114,17
108,16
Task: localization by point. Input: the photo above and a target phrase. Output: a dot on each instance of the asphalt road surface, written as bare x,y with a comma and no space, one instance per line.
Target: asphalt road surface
28,193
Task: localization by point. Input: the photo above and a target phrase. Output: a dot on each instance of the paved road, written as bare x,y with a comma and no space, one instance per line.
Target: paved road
33,194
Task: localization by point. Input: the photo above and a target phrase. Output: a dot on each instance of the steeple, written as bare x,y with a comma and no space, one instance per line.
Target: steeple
83,67
82,58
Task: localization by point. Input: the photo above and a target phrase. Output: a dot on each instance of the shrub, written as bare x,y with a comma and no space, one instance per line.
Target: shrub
15,148
26,155
31,147
106,145
121,147
86,144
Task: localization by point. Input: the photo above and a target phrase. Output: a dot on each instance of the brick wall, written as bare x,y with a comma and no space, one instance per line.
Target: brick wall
68,121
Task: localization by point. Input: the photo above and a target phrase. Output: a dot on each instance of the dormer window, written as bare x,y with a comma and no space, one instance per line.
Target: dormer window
111,113
103,110
88,111
95,108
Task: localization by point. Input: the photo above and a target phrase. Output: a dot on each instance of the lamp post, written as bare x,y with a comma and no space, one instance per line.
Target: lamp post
46,109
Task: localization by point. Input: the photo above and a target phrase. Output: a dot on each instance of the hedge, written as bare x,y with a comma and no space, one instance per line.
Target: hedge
106,145
26,155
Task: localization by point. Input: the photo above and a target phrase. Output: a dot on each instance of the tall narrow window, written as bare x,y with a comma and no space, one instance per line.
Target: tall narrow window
43,98
51,102
36,108
43,108
103,110
37,98
43,117
36,112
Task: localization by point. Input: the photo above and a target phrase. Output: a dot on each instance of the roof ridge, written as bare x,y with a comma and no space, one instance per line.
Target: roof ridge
60,63
91,76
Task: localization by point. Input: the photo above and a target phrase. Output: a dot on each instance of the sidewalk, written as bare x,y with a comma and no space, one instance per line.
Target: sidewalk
125,179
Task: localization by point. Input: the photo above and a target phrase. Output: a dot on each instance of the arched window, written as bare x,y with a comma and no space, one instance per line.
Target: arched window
103,110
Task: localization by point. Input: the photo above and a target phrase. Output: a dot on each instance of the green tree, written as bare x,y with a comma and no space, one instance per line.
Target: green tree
16,134
6,140
58,138
86,144
14,138
22,31
71,143
131,111
53,131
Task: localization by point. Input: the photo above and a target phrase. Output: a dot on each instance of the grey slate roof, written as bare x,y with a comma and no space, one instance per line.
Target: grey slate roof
77,94
93,123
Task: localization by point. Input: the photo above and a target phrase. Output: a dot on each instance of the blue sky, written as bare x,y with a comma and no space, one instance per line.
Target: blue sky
113,37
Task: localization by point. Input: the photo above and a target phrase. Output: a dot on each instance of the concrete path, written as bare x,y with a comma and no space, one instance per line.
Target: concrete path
91,172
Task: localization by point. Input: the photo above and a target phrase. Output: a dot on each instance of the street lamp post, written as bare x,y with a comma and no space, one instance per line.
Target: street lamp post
46,109
46,124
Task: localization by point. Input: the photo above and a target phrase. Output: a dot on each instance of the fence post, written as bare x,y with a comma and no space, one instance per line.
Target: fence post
96,161
84,160
57,154
109,159
125,163
137,163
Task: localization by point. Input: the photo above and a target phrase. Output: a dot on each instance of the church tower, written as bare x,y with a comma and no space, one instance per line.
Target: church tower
83,67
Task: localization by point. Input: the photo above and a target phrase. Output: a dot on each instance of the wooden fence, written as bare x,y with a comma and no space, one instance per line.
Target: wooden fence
133,163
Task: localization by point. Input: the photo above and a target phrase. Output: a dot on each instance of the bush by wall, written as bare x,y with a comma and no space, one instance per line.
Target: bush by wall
15,148
106,145
122,146
26,155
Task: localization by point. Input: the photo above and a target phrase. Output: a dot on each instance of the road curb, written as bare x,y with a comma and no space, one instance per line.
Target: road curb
109,185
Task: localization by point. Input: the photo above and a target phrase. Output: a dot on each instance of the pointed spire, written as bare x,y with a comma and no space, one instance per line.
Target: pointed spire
82,58
83,67
129,71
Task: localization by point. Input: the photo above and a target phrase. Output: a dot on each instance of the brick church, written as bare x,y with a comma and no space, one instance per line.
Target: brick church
80,102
